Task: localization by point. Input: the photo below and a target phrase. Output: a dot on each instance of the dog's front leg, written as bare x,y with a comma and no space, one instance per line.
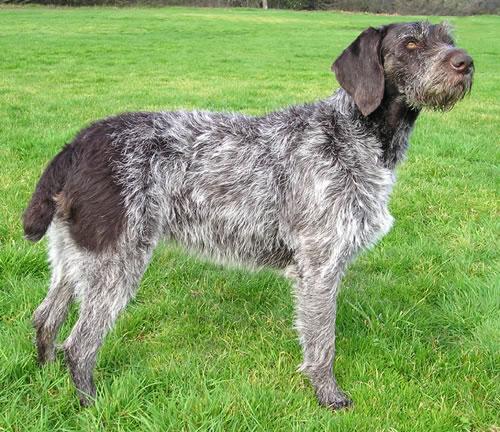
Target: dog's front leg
317,287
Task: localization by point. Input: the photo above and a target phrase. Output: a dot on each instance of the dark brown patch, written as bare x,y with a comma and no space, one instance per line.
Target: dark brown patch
91,200
81,186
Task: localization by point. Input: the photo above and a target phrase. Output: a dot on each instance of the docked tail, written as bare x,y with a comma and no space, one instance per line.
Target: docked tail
41,209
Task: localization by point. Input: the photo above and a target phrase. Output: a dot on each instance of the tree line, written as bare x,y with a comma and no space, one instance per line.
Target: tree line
403,7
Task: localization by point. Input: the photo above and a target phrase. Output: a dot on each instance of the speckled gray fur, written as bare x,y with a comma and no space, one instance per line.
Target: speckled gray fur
306,188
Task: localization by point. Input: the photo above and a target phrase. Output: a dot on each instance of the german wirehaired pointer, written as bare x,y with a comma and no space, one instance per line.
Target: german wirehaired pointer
306,188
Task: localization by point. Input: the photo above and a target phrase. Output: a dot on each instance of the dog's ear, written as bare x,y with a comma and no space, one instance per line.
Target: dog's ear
360,72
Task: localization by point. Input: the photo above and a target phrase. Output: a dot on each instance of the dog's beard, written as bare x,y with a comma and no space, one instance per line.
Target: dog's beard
438,92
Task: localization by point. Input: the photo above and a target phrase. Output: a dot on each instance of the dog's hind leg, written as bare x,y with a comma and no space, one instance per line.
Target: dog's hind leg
49,316
51,313
109,280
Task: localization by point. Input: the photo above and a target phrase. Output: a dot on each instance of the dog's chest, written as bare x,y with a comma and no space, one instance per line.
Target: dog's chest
370,206
350,205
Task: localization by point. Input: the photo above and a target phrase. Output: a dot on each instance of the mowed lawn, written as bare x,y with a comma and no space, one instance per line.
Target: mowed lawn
213,349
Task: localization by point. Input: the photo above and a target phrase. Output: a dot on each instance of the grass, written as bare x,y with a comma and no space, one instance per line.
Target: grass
212,349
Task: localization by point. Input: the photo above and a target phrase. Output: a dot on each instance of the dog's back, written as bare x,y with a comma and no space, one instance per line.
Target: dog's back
209,181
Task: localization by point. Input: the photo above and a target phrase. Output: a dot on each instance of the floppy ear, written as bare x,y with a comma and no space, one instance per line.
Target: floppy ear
360,72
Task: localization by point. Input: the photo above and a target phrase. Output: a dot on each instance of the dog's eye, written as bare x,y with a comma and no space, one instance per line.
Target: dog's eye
411,45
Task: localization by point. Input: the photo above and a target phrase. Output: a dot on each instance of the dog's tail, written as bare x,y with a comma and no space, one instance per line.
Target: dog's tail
41,209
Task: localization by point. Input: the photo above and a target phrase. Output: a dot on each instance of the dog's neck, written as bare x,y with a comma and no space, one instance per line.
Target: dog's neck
391,123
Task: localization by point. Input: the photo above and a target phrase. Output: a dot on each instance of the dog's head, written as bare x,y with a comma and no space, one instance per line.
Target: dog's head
416,61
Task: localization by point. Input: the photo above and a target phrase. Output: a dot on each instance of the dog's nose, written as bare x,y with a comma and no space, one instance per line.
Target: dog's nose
461,62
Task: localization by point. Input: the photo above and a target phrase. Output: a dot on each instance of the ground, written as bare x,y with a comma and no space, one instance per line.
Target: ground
212,349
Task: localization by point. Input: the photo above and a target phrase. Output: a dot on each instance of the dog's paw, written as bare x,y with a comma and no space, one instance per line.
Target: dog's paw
86,400
334,399
46,353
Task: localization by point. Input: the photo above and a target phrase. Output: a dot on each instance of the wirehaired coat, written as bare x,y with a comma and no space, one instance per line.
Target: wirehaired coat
307,187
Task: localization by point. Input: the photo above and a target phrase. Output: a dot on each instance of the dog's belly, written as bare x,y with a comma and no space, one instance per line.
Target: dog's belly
229,248
224,235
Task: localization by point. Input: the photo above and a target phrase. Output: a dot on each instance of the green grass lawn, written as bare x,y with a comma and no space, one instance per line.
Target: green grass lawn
212,349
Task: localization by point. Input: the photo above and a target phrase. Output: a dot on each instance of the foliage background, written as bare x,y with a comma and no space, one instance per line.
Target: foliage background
423,7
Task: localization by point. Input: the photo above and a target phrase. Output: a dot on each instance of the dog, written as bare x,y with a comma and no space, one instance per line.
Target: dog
305,188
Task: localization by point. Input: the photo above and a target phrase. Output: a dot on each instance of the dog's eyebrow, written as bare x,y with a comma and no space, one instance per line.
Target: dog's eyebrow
411,31
444,32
